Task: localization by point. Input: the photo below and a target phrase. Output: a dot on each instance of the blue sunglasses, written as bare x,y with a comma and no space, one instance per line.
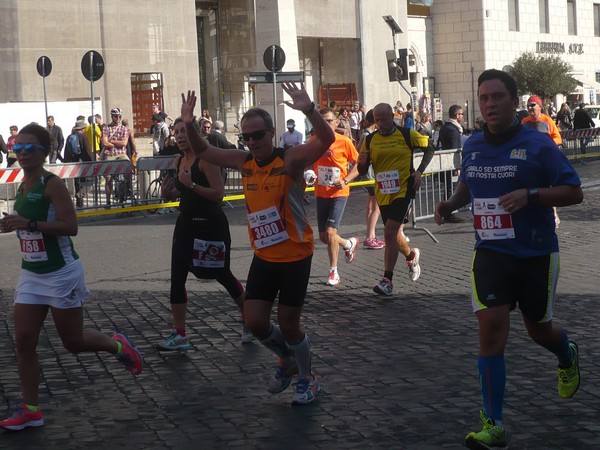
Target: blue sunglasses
27,148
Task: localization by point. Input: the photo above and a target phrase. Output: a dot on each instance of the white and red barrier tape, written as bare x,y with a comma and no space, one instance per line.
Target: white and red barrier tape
156,163
575,134
73,170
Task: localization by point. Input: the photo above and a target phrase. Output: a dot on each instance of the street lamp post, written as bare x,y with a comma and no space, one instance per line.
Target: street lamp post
391,22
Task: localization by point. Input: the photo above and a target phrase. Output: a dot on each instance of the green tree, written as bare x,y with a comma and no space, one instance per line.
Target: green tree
545,76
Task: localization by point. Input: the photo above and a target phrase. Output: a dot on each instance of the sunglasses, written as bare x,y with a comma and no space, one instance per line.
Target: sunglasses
531,105
27,148
255,135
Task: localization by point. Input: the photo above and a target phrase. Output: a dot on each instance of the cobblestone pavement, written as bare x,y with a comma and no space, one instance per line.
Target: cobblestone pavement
397,372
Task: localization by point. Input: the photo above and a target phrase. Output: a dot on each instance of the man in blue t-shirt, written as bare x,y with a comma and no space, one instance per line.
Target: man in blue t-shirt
512,176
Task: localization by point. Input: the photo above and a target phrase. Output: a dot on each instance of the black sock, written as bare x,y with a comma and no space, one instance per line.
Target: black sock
411,256
388,274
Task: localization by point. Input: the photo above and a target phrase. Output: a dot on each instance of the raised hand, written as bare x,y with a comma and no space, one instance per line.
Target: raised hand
187,106
300,99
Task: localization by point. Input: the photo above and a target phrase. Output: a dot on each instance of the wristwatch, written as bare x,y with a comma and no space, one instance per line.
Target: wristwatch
533,195
192,186
32,226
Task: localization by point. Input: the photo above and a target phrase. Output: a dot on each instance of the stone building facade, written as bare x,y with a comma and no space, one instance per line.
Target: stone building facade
153,52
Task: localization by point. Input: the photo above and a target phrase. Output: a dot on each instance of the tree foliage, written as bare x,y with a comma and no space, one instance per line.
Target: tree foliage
545,76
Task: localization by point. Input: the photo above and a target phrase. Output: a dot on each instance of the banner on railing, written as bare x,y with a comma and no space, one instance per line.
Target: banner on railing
73,170
576,134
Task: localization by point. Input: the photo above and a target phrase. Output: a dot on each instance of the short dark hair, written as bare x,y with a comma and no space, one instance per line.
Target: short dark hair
258,112
90,119
326,110
503,77
40,133
453,111
50,117
332,104
13,128
179,119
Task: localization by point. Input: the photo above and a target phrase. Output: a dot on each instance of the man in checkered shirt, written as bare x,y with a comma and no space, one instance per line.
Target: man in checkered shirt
114,143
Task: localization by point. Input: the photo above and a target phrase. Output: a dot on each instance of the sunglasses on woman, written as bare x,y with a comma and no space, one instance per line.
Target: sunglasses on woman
255,135
27,148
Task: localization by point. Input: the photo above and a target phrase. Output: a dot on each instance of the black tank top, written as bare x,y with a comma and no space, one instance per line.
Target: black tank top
192,204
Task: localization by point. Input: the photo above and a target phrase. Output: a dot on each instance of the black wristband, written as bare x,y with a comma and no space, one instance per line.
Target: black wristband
312,108
533,195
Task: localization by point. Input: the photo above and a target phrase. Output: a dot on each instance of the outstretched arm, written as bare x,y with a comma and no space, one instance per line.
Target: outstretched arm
214,155
300,156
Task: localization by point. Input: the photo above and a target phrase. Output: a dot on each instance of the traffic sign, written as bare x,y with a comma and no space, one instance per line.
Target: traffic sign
267,77
92,66
44,66
274,58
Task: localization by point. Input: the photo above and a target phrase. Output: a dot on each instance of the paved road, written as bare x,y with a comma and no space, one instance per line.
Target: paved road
397,372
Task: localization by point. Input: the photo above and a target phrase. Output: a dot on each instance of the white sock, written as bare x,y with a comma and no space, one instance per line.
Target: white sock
302,356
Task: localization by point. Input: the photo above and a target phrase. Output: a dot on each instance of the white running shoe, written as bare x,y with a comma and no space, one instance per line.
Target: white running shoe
414,270
385,287
333,279
351,252
247,335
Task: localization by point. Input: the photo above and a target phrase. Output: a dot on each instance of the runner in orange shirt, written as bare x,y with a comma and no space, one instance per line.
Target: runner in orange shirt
279,232
333,175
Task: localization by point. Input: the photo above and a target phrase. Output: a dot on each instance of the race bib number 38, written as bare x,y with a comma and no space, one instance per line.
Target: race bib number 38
267,227
33,248
492,221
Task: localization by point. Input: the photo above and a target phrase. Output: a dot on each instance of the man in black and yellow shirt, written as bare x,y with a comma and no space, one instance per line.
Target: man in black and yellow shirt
390,151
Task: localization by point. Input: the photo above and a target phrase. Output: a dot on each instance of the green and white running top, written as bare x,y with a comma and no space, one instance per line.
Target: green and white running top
41,253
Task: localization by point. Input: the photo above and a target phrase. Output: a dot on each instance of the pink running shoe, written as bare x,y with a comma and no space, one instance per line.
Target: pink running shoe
129,356
373,244
23,418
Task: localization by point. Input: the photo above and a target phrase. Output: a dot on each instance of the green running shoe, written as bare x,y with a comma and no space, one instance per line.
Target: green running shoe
568,379
491,437
174,342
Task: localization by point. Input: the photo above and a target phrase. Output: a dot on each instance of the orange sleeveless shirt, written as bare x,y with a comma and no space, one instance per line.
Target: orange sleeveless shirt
277,223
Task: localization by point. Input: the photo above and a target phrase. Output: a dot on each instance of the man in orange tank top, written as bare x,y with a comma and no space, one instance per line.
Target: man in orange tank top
279,232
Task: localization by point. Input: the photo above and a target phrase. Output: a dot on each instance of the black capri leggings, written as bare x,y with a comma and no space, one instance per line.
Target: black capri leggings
211,229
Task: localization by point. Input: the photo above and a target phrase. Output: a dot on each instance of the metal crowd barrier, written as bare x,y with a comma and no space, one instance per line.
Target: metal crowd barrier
139,186
88,178
134,189
579,144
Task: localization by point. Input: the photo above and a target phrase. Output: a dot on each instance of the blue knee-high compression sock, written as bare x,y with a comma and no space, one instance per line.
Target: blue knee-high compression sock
563,351
302,355
492,380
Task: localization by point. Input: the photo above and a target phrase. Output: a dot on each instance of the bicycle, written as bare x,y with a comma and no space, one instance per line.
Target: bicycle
123,190
153,192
